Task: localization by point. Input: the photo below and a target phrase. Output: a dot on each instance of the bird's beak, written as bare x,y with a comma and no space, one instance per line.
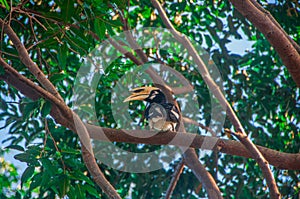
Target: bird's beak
140,93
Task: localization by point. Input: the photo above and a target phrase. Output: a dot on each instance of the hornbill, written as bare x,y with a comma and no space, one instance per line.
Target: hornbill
161,115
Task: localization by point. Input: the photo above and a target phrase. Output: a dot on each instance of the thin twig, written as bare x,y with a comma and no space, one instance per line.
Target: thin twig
123,51
54,143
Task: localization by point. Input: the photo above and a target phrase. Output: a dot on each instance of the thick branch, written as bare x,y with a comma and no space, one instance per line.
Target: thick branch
242,136
20,86
268,14
281,42
64,116
90,161
189,157
278,159
59,110
27,61
23,82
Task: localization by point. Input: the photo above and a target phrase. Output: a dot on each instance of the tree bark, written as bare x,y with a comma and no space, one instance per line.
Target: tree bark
281,42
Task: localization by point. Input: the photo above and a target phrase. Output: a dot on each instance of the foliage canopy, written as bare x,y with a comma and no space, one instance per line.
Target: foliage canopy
58,35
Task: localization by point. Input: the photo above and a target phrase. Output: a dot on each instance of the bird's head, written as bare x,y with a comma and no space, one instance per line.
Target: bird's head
148,94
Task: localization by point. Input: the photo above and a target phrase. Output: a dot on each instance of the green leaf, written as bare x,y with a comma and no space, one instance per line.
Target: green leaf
4,2
16,147
55,78
49,167
64,185
27,174
110,30
23,157
121,3
72,194
80,191
91,190
36,181
80,176
67,10
69,150
58,154
46,180
62,56
26,157
46,108
2,71
28,108
208,41
100,28
3,104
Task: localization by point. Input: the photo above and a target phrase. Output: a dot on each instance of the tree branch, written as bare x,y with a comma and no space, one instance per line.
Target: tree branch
175,177
278,159
26,83
63,110
277,37
65,116
90,161
268,14
242,136
123,51
26,60
159,82
190,155
201,173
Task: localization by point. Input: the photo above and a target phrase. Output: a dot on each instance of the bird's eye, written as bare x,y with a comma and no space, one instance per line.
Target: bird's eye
153,95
